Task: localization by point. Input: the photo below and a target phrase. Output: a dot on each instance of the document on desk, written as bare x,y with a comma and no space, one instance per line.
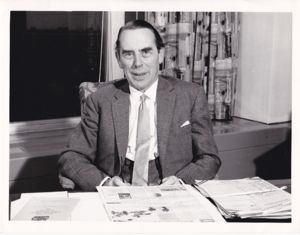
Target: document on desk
17,205
157,204
247,198
46,208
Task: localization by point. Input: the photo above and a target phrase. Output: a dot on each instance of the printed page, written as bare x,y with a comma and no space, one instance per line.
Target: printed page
155,203
17,205
250,197
221,188
257,204
130,194
43,208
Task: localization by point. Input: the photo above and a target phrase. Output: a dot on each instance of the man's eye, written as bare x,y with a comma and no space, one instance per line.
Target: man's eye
146,53
127,55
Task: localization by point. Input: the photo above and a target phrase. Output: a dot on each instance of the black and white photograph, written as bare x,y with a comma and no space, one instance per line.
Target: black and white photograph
144,120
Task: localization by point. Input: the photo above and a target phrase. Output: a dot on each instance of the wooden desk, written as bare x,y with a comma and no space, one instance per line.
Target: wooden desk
278,183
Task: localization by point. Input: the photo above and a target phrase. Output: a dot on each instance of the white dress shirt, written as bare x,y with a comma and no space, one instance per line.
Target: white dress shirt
133,119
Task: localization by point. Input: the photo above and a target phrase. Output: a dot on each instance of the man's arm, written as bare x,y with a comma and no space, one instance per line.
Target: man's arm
206,162
76,161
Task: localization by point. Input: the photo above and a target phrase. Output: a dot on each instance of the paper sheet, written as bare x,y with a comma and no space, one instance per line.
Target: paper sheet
216,188
46,208
17,205
89,207
257,203
156,204
251,197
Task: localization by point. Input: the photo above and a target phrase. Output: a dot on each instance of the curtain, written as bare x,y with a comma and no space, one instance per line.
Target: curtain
109,67
202,47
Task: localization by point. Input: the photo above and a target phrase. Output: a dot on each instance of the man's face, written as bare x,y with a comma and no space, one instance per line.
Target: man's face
139,57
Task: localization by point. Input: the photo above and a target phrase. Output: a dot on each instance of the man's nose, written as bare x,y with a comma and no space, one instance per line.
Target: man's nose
137,61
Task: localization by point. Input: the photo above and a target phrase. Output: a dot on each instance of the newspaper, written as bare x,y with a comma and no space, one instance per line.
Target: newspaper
157,204
250,197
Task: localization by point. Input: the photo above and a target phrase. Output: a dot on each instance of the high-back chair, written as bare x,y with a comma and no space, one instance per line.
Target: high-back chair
85,89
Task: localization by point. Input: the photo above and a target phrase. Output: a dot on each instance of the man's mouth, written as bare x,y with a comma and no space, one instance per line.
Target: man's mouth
139,74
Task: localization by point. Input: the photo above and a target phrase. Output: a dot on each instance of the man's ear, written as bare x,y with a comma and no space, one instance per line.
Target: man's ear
161,55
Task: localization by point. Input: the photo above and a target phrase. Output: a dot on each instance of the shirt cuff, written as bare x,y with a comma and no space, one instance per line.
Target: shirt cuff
104,180
181,181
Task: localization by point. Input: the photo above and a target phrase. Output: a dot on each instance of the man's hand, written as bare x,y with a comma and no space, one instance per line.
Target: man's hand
65,182
115,181
170,180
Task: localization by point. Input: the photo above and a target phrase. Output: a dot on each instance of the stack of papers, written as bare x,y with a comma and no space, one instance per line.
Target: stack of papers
178,203
247,198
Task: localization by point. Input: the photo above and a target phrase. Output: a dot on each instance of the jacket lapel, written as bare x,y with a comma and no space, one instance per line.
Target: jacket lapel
165,110
120,110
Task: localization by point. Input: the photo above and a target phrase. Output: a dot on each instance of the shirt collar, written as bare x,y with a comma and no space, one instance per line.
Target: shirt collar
150,92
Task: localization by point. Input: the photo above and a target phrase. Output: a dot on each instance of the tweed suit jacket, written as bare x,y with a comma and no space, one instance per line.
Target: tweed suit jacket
186,146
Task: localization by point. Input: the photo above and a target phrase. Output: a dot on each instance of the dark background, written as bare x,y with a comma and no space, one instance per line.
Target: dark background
51,53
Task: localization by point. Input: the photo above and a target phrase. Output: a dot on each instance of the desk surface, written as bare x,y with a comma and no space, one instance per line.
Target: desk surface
278,183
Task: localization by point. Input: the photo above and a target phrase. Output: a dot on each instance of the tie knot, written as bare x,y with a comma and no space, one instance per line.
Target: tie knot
143,98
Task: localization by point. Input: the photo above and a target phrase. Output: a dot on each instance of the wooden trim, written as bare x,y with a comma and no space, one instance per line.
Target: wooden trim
43,125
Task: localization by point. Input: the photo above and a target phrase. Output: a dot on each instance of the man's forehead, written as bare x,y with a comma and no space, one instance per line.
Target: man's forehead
137,38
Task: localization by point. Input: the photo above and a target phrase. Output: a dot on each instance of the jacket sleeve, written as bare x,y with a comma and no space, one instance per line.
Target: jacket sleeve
205,163
76,161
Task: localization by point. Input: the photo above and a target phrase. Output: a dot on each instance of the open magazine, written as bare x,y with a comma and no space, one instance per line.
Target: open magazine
157,203
247,198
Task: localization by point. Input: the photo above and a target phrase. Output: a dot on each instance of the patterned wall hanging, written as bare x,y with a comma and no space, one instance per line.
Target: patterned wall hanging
202,47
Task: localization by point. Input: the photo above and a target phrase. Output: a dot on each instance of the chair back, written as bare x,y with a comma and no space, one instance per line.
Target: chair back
85,89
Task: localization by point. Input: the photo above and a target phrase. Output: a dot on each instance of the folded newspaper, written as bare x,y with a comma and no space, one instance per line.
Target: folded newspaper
178,203
247,198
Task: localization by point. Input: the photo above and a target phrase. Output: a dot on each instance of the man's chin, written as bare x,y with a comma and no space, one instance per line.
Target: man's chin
139,85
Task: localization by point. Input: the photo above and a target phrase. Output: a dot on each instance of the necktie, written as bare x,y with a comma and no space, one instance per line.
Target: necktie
141,159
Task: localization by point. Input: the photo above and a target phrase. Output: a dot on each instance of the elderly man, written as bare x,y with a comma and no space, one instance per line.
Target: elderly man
142,130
